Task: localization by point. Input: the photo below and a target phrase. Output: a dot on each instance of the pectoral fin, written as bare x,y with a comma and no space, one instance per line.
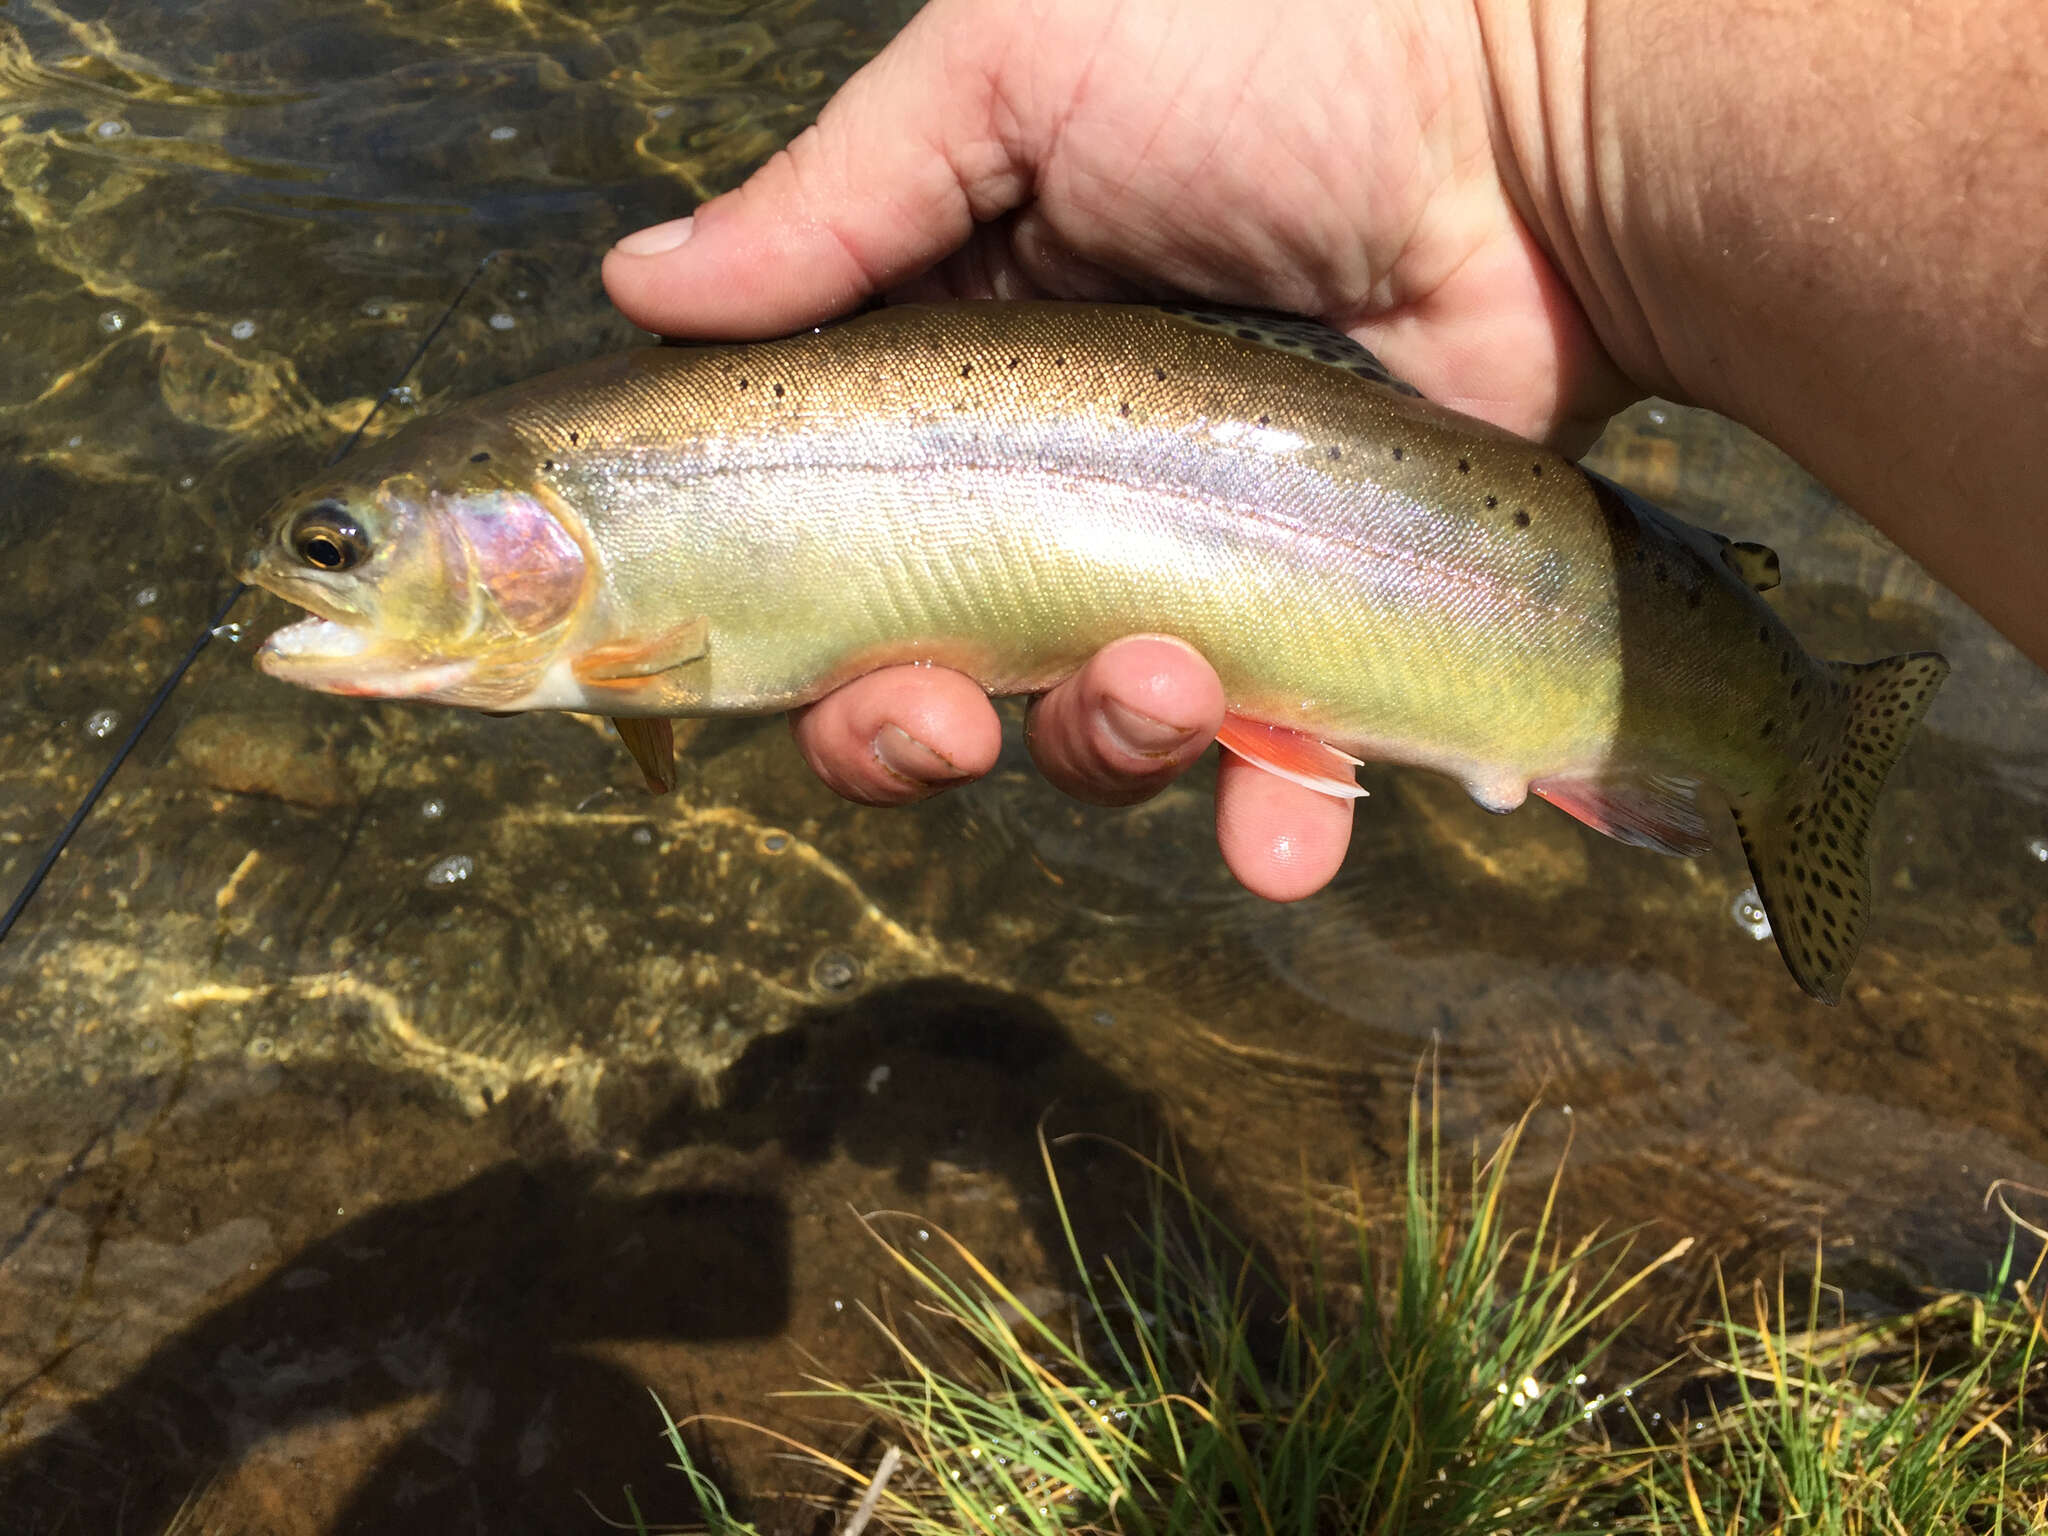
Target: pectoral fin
1297,758
622,661
652,741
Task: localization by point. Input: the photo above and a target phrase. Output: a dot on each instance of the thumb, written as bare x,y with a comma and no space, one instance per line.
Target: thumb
891,178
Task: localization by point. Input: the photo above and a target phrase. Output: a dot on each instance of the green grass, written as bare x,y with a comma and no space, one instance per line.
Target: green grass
1433,1377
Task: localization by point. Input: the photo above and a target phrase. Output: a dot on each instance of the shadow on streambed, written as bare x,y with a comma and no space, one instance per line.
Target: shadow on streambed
490,1299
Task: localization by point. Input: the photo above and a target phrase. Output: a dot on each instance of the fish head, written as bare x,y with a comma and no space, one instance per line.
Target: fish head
428,573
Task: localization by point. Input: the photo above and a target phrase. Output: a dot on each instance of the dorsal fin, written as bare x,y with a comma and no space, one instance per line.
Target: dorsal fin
1756,564
1291,333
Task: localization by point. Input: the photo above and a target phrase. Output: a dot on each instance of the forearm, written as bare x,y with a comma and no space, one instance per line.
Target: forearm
1826,220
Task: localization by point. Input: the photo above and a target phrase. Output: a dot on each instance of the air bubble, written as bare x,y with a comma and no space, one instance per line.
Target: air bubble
1657,417
453,870
230,631
186,482
371,309
835,971
662,113
146,597
113,322
774,842
262,1045
2037,849
100,724
433,810
1750,917
503,132
876,1078
402,394
242,330
502,321
644,836
110,128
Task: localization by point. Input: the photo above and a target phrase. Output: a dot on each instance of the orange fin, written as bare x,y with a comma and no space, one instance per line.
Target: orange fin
652,741
628,660
1651,810
1297,758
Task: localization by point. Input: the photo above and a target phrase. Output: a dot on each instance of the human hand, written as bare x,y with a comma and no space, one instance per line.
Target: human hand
1326,157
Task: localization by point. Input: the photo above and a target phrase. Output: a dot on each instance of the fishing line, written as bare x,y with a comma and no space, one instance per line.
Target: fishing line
206,636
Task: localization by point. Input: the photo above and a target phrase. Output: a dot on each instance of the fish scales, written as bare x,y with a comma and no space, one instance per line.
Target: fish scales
940,493
1005,488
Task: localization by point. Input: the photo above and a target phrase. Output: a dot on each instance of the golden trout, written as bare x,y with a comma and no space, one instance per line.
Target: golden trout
1004,488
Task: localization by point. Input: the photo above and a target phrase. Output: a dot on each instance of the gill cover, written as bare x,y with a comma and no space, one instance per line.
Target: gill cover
521,570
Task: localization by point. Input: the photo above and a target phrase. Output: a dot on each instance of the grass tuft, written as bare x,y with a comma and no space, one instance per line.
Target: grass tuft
1431,1376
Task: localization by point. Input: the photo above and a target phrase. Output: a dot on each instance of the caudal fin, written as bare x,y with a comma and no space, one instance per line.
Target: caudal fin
1809,846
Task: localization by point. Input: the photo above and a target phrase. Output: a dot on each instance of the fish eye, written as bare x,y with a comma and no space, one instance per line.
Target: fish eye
328,538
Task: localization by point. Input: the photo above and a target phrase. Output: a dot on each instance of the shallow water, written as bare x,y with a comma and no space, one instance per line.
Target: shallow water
393,1096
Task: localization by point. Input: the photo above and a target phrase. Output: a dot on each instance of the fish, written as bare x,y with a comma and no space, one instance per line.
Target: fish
1005,487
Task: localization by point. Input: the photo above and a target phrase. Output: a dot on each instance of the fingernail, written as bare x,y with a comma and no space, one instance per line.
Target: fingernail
1140,734
655,239
912,761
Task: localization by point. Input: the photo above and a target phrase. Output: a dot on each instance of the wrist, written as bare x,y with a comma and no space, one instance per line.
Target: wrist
1578,174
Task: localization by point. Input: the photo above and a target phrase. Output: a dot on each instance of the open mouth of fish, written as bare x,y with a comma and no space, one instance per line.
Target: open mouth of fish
316,639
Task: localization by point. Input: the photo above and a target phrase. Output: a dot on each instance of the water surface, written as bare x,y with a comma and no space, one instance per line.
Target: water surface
393,1096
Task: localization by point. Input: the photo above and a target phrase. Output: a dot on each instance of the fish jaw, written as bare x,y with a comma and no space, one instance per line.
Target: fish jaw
332,657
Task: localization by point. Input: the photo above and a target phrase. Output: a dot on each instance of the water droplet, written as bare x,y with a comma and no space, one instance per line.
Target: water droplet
110,128
146,597
453,870
503,132
242,330
2037,848
100,724
113,322
1750,917
502,321
835,971
432,810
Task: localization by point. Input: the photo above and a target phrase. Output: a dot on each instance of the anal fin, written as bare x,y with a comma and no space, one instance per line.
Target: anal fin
1643,810
652,741
1292,756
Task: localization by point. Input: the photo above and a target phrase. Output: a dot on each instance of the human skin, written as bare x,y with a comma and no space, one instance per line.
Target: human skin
1828,221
